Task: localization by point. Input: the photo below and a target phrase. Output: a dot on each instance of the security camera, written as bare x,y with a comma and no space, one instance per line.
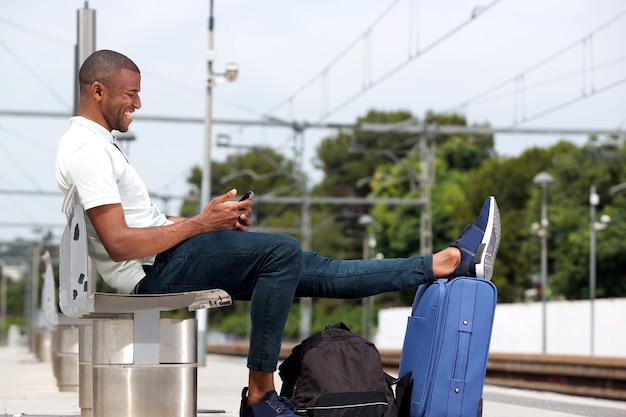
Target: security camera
231,72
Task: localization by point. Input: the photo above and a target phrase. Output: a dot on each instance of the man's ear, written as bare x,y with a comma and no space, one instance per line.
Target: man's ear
97,89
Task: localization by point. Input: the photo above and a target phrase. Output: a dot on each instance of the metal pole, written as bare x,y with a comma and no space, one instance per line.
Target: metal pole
205,192
544,265
34,295
593,202
544,180
3,306
367,303
365,313
86,43
426,179
306,303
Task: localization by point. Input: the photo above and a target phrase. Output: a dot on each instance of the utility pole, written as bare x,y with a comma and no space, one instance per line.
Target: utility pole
306,303
202,316
205,188
34,286
3,306
426,179
86,44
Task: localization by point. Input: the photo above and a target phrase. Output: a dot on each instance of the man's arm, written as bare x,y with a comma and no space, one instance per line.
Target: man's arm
125,243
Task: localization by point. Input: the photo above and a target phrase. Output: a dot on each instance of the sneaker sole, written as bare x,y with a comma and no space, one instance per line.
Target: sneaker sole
486,252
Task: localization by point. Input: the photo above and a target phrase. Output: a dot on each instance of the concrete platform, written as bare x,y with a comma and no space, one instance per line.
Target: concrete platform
28,388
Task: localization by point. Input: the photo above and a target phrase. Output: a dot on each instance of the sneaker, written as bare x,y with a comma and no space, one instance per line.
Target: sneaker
271,405
479,243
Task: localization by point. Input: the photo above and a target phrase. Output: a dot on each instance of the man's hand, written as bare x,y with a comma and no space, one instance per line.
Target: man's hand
223,213
124,243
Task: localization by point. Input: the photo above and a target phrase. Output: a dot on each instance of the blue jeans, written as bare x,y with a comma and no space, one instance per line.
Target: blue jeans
270,270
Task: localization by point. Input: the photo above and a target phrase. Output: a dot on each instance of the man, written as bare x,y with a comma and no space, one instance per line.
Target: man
140,250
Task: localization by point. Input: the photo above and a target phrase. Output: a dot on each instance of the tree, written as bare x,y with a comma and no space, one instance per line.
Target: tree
599,163
467,171
262,170
456,157
349,162
510,180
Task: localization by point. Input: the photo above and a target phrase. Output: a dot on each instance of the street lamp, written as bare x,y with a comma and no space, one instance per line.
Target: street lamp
594,226
544,180
3,306
367,303
213,79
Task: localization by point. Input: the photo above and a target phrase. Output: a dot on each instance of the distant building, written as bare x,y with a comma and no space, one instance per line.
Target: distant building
16,272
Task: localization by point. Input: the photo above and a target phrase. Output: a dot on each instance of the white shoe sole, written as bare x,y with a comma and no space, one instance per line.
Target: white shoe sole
490,243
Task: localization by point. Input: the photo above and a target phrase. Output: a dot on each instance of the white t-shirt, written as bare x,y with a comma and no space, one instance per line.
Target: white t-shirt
88,158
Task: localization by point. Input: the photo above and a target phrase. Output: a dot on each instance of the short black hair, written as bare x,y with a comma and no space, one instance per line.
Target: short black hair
102,66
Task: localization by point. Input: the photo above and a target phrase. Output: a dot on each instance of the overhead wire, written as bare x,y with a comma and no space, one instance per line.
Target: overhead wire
335,59
568,103
389,73
17,163
31,31
542,83
54,94
588,67
369,82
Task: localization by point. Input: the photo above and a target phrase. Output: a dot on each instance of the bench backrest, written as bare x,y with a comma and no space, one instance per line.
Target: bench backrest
48,295
76,284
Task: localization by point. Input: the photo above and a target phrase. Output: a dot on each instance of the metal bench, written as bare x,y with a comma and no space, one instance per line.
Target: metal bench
63,330
141,364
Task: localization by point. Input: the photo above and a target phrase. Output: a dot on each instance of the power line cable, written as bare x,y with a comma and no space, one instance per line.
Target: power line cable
25,139
549,81
29,69
196,90
568,103
17,163
322,73
426,49
369,83
45,36
389,73
521,75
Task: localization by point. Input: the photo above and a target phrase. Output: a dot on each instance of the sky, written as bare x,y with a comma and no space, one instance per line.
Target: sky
557,64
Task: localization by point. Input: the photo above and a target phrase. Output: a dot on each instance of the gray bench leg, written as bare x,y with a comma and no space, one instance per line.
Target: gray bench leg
65,357
85,373
140,369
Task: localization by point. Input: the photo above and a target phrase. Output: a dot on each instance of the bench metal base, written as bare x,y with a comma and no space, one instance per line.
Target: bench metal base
116,382
163,390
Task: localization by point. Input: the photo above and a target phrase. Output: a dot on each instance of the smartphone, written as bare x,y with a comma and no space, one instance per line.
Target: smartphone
247,195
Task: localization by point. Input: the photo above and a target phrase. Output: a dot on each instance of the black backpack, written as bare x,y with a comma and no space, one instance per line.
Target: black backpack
335,373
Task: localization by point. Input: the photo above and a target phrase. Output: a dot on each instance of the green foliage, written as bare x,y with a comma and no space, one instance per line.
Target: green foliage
467,170
236,320
349,161
235,324
600,164
262,170
16,293
349,313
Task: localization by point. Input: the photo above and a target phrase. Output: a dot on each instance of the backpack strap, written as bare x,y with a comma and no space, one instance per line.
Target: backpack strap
403,402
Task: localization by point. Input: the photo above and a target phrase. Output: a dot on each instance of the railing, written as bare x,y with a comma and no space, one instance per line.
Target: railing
578,375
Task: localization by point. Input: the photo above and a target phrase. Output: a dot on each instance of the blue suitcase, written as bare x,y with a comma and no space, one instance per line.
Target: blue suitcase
446,347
